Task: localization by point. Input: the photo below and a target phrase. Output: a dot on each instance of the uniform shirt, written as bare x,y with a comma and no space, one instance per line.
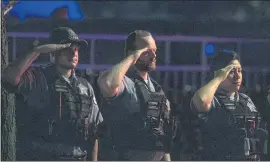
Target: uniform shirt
119,107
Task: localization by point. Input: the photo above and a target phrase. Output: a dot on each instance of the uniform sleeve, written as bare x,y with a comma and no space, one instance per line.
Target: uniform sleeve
30,80
204,115
96,116
117,107
250,103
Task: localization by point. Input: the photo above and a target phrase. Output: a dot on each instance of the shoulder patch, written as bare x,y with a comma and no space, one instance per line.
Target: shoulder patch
83,89
250,104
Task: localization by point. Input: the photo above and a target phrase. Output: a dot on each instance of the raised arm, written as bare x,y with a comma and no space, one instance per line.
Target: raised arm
202,99
13,72
110,81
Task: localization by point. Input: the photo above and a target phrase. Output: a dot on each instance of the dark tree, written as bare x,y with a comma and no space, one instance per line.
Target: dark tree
8,127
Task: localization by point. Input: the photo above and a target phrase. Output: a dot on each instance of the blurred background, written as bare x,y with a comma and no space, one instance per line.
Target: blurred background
188,33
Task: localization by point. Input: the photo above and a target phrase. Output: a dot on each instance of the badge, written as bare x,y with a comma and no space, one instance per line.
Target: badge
83,90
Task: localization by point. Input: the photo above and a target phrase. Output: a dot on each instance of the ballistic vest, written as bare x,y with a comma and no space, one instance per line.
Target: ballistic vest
234,133
63,126
148,129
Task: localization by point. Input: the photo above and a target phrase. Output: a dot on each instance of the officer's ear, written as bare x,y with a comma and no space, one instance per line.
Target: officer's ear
215,73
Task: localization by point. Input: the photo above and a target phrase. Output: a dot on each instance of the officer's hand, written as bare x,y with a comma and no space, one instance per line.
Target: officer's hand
49,48
223,73
138,53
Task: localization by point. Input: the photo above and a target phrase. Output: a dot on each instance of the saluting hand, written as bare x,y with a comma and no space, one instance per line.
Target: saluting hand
138,53
48,48
224,72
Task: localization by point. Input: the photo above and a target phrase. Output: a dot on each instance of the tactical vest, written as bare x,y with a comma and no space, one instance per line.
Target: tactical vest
236,134
150,128
65,122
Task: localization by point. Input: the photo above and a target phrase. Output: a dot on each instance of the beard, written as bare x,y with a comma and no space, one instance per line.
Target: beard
145,66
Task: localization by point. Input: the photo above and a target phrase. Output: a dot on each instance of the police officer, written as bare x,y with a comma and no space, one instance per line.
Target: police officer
61,117
229,119
135,107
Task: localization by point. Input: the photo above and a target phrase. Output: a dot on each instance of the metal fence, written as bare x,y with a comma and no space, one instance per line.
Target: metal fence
174,77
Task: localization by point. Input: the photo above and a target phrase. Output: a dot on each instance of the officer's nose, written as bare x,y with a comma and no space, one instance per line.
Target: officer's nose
74,51
236,75
154,55
151,55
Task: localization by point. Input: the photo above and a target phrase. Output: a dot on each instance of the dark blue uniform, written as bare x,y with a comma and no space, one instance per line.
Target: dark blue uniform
229,128
60,117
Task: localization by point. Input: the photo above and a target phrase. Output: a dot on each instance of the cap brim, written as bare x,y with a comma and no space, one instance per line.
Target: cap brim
81,42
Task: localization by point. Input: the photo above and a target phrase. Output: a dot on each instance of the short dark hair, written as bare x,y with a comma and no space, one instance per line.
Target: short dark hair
222,59
131,39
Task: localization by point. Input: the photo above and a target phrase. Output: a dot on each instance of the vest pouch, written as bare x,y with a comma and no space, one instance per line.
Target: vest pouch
80,114
142,140
135,123
81,129
259,141
153,110
86,104
138,134
155,104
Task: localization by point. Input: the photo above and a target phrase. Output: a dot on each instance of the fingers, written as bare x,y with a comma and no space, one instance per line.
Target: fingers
48,48
225,71
138,52
62,46
231,67
144,49
56,47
